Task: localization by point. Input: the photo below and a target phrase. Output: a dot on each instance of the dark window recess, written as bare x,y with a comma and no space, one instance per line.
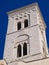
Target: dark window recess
26,23
24,49
43,50
19,25
19,51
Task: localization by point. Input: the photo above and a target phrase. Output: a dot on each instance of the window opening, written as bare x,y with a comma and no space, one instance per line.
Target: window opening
19,25
19,51
26,23
24,49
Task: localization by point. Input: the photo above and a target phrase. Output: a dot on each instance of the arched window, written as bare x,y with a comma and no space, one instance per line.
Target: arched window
24,49
19,51
26,23
19,25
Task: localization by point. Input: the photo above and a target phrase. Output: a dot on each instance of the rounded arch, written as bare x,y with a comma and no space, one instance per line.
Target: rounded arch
24,49
19,51
26,23
19,25
22,37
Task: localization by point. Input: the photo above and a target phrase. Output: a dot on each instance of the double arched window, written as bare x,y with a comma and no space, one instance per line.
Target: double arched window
19,50
25,24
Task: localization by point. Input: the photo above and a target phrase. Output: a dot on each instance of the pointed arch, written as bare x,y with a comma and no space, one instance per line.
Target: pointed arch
19,51
24,49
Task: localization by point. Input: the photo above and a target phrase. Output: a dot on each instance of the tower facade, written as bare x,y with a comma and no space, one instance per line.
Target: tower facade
25,38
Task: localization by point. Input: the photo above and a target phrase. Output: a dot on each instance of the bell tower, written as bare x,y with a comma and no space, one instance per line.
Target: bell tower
26,35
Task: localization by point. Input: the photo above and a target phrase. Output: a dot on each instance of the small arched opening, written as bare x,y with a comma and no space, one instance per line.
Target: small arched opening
19,51
24,49
25,23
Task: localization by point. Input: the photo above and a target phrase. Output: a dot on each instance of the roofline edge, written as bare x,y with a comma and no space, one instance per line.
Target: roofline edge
34,3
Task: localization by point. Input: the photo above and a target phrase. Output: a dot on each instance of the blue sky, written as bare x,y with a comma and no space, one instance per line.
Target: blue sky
8,5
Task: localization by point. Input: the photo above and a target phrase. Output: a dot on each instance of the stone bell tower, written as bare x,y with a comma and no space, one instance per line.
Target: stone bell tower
26,36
